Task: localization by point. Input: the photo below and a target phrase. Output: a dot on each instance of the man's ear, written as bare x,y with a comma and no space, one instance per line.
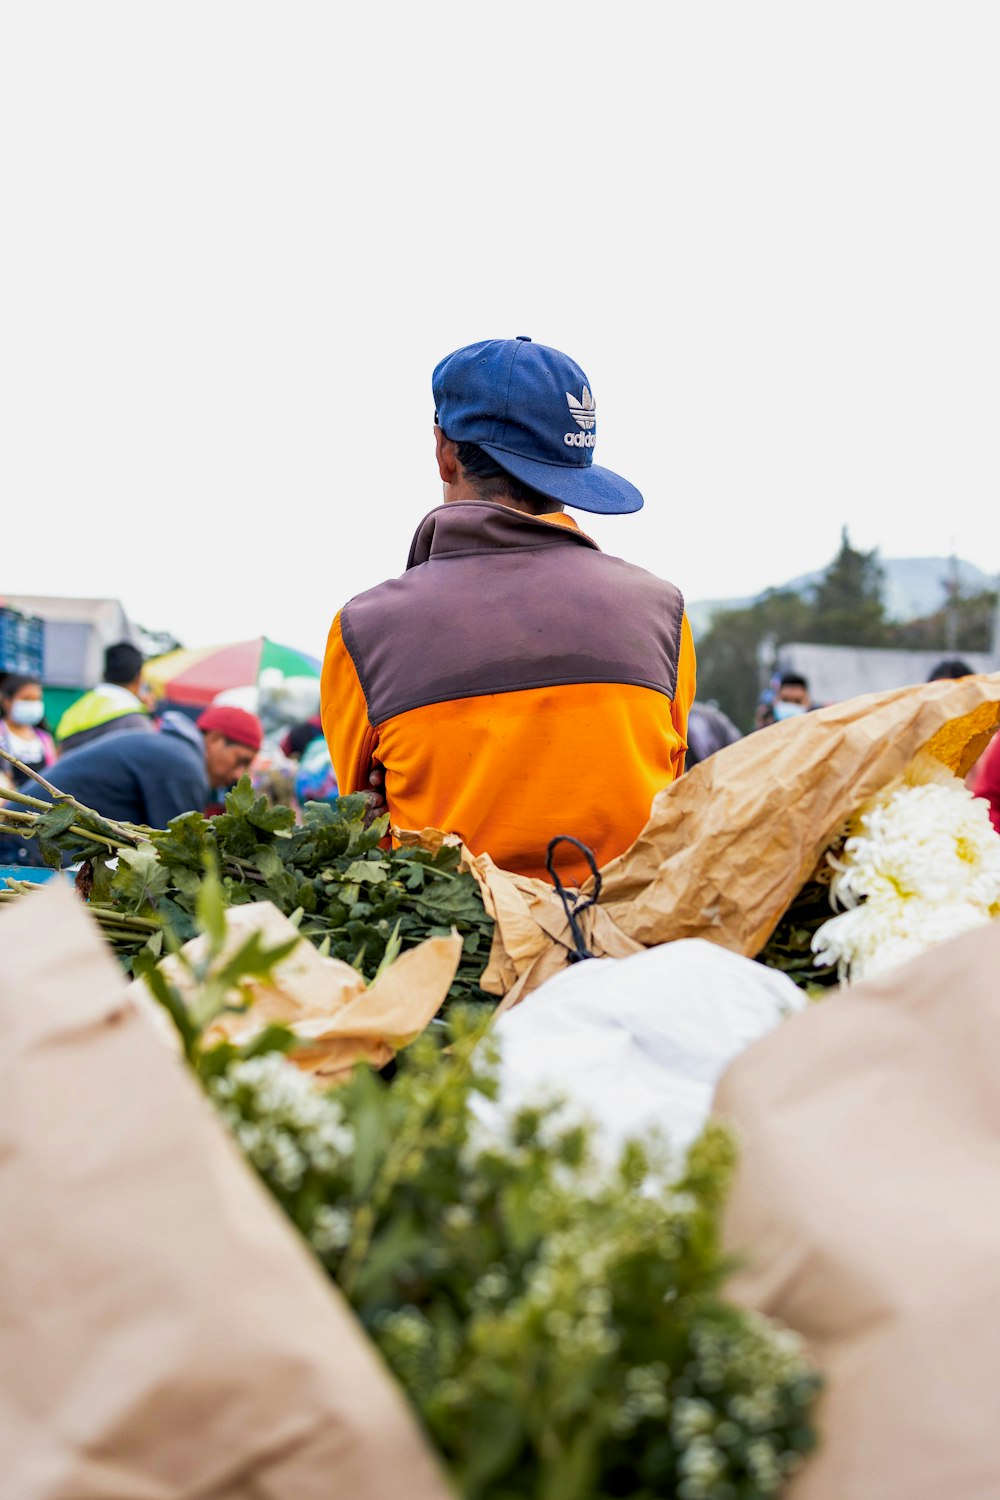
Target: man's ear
447,457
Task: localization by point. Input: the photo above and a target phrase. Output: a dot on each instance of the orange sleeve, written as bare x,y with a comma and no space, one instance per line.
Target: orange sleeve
344,711
686,682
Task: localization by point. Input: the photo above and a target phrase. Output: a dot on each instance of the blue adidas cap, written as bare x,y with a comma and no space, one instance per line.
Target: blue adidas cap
530,408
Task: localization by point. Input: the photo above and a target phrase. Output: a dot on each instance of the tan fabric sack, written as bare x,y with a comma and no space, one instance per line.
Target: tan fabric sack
164,1334
868,1203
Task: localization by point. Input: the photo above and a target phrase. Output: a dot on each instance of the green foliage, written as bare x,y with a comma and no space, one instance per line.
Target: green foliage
559,1327
965,624
789,947
845,608
353,899
214,977
730,655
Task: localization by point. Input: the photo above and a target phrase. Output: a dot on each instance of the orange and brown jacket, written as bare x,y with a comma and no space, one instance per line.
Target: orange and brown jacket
515,683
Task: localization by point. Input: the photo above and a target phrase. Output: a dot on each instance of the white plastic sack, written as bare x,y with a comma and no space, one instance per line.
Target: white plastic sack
640,1042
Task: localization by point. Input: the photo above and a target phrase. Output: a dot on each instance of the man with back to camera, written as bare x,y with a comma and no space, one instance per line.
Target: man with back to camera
515,682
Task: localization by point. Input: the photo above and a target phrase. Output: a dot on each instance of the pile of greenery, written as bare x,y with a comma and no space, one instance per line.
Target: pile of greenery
558,1328
789,948
354,900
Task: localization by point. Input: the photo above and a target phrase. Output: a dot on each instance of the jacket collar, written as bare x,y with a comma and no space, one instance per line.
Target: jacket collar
464,526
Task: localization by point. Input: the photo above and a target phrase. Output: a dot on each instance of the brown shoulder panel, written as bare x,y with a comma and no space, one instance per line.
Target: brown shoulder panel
539,613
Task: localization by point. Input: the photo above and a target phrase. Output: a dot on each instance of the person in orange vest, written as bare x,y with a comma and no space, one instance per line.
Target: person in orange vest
515,682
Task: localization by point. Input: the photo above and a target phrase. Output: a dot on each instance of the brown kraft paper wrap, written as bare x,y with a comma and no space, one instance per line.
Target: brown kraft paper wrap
340,1019
166,1335
729,846
866,1206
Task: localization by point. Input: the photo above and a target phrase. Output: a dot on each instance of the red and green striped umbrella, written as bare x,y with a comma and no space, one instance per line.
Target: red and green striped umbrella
192,678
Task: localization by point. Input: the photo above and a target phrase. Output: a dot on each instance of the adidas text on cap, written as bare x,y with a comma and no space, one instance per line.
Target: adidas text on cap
531,409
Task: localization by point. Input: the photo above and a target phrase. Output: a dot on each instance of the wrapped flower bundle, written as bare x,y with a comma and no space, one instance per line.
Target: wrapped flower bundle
920,863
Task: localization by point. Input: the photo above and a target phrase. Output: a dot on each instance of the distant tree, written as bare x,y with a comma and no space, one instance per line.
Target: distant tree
847,605
966,624
844,609
729,653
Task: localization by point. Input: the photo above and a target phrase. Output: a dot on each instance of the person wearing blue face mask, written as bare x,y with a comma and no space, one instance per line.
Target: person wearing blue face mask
22,717
22,731
792,697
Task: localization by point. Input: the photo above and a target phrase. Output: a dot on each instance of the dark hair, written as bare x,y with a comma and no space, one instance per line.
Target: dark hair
951,666
15,681
489,480
122,663
300,735
794,679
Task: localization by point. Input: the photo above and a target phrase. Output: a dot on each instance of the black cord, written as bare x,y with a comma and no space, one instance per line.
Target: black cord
576,908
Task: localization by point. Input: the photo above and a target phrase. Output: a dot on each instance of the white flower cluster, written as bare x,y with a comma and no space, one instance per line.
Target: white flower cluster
285,1126
921,864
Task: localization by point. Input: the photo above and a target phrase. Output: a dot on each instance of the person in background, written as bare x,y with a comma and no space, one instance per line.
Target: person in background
951,666
983,780
309,754
22,733
786,700
113,706
22,728
295,739
516,682
315,780
708,730
151,778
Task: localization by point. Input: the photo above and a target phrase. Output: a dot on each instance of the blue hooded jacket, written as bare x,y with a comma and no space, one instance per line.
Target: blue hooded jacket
139,778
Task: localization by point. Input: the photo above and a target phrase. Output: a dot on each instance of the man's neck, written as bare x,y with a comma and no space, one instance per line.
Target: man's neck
463,490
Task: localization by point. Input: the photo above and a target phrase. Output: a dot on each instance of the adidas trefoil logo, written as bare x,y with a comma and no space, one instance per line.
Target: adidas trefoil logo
584,413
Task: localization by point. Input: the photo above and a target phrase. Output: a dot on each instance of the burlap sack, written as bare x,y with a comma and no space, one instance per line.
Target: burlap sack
165,1334
867,1205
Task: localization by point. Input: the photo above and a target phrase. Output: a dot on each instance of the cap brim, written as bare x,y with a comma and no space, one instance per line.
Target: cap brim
584,487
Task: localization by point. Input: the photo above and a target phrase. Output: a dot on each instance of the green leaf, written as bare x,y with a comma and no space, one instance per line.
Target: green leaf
271,819
140,878
272,1039
372,1131
56,821
392,951
252,960
211,909
241,799
185,843
144,967
398,1244
370,872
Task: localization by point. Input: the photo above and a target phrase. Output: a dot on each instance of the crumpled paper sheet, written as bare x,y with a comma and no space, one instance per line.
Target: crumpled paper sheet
532,937
166,1334
729,845
866,1212
340,1019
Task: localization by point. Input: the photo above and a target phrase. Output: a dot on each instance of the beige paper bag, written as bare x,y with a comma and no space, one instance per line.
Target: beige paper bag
164,1333
867,1201
341,1019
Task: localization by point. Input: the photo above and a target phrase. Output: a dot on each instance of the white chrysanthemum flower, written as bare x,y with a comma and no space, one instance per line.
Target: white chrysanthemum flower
921,864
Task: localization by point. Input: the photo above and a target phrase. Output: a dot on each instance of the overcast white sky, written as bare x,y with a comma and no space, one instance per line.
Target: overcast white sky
238,235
